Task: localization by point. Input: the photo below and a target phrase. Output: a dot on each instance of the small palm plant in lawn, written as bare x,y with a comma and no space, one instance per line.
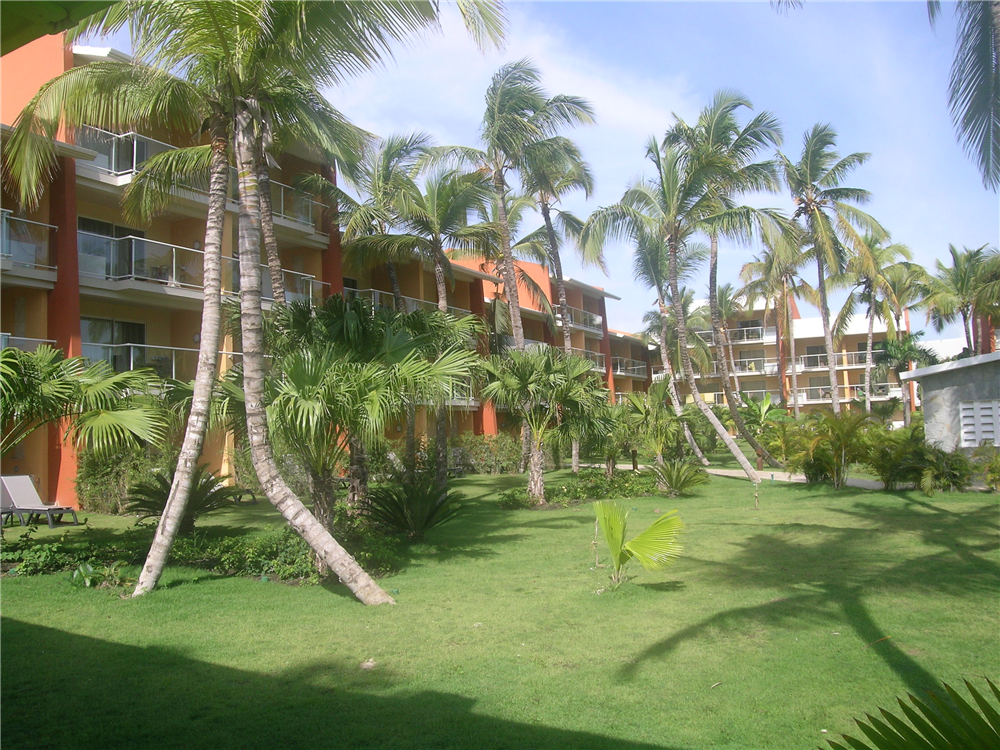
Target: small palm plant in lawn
538,385
413,508
655,548
678,477
208,493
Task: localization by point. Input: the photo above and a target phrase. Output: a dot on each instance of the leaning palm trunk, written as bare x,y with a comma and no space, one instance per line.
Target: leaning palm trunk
441,416
732,359
718,334
831,355
672,383
208,354
267,231
507,265
868,360
563,306
791,348
251,321
689,374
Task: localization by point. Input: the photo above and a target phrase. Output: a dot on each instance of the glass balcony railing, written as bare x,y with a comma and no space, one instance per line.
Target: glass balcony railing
630,367
821,394
166,361
299,287
26,243
596,357
582,319
379,298
23,343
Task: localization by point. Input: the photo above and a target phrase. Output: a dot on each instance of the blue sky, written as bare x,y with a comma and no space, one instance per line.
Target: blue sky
876,71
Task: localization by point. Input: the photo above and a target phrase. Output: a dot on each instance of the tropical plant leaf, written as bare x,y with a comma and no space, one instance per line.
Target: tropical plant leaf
611,517
658,546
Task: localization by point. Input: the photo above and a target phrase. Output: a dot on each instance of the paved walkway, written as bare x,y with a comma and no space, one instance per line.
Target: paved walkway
784,476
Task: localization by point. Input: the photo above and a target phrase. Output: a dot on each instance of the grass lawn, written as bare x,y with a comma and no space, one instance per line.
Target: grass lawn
774,625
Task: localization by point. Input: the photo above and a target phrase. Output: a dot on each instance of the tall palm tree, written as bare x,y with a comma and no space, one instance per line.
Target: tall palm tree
896,356
868,267
773,277
521,122
671,207
951,292
730,304
906,285
829,220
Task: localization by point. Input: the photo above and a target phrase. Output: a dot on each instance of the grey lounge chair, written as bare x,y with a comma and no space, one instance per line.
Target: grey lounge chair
18,497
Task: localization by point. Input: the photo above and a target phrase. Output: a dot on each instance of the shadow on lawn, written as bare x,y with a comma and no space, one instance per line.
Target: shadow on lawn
827,582
67,690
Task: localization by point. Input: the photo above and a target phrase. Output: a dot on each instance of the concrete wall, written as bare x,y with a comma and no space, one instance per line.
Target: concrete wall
943,394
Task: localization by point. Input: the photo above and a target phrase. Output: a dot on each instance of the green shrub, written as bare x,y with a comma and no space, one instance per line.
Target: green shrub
678,477
987,462
589,484
412,508
208,494
894,456
941,470
27,556
488,454
103,482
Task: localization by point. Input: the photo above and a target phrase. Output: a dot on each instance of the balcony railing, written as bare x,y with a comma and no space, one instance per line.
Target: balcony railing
583,319
122,258
123,155
378,298
596,357
25,243
23,343
167,361
741,335
880,392
659,373
630,367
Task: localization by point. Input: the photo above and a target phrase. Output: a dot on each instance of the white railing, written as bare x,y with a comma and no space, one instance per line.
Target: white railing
123,154
168,361
596,357
378,298
532,343
26,243
22,342
820,394
299,287
840,359
753,366
631,367
741,335
582,319
659,373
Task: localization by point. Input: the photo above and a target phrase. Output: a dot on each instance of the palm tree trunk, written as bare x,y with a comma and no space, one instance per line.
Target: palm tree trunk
689,373
831,355
719,336
208,354
410,465
251,320
507,263
267,230
966,331
357,490
441,415
536,478
791,348
324,497
397,292
868,360
732,359
576,456
906,400
672,383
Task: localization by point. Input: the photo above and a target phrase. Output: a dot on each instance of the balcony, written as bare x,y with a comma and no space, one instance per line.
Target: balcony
659,373
841,360
632,368
755,366
821,395
588,321
140,259
167,361
743,335
23,343
24,243
378,298
596,357
122,155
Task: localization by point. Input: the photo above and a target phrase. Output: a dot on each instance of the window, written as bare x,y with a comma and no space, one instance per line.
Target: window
980,423
815,357
751,360
102,251
107,340
819,388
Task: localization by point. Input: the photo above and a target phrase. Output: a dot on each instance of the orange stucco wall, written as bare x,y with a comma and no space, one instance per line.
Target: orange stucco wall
25,69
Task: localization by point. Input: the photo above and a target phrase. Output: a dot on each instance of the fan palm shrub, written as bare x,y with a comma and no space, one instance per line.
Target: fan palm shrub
678,477
655,548
208,493
942,723
829,445
413,508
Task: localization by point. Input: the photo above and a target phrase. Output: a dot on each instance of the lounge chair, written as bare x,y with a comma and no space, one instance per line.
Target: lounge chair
18,497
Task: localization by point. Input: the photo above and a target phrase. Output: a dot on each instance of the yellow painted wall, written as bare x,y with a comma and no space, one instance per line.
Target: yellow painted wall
24,312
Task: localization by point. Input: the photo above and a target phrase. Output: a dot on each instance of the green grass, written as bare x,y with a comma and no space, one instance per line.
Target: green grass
774,625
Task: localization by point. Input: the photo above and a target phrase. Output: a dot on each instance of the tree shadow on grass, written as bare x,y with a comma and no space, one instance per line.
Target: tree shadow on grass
70,691
827,581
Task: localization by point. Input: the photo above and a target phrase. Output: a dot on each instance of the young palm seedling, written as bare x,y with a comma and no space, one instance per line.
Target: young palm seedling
655,548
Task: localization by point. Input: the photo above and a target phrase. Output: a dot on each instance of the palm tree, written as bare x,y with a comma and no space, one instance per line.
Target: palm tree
951,292
730,304
521,123
773,277
103,409
906,285
670,208
896,356
538,385
658,426
829,220
868,266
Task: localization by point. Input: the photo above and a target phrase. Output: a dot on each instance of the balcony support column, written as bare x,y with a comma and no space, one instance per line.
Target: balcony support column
64,318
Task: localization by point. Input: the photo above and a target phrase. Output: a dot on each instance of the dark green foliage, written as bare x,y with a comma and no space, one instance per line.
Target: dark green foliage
987,463
103,482
489,454
940,470
943,723
208,493
412,508
589,484
677,477
894,456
